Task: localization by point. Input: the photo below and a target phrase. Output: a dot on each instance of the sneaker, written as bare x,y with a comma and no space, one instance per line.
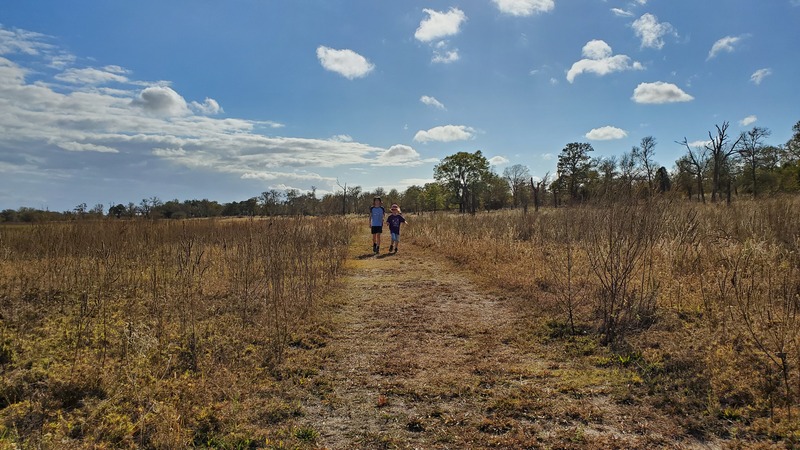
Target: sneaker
374,248
395,250
390,249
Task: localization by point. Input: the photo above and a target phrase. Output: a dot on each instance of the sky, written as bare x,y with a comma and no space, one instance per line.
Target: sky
115,101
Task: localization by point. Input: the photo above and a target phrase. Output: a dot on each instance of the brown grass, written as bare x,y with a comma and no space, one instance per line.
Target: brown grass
159,334
707,300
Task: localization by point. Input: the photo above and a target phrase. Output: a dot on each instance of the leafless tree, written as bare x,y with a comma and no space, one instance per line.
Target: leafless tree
698,160
538,188
751,150
643,157
516,176
719,150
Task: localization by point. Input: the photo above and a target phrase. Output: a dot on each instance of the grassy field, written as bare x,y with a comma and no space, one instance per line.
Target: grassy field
653,325
702,301
171,334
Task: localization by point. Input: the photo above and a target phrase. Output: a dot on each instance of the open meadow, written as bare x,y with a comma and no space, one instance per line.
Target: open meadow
657,324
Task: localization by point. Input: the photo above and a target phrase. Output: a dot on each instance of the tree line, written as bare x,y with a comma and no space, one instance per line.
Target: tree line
722,168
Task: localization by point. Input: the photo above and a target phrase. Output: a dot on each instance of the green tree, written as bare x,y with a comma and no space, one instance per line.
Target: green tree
574,165
465,174
497,192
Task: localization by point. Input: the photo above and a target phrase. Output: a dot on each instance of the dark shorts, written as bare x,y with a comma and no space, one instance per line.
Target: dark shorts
377,230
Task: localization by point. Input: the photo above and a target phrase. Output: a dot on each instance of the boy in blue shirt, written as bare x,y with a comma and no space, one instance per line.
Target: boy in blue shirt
394,220
376,213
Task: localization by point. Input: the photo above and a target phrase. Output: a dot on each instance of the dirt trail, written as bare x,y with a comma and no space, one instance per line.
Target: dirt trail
423,357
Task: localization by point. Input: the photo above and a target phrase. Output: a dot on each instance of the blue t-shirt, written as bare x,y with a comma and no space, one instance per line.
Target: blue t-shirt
376,215
394,222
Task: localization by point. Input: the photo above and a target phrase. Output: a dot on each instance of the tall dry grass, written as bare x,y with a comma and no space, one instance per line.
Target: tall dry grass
703,300
155,334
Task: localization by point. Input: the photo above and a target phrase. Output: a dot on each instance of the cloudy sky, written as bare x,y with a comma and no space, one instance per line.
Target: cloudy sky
114,101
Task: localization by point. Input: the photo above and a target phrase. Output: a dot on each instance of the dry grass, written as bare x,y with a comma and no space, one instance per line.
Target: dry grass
704,300
132,334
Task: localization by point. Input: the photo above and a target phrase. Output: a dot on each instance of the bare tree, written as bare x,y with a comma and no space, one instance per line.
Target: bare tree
516,176
628,172
539,188
720,149
643,157
698,160
752,149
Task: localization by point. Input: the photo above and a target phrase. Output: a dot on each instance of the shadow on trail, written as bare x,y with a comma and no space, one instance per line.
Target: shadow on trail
385,255
365,256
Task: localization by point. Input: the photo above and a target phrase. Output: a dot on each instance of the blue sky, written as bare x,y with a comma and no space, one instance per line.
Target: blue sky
112,101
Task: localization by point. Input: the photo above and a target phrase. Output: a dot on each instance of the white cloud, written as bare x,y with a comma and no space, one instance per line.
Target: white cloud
598,59
651,31
342,138
209,107
659,92
440,24
726,44
346,63
548,156
90,76
400,155
498,161
445,57
22,41
431,101
161,101
524,8
79,147
621,12
758,76
607,133
747,121
446,133
699,144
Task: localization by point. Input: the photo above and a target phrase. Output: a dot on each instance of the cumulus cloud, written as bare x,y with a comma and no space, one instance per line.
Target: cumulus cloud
439,24
621,12
598,59
758,76
651,31
431,101
446,133
161,101
727,44
346,63
498,161
747,121
659,92
400,155
209,107
524,8
607,133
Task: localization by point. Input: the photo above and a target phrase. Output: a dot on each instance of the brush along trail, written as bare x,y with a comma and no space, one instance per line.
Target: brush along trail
422,355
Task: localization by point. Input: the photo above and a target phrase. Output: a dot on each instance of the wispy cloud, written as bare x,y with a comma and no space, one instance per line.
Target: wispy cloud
758,76
747,121
621,12
651,31
727,44
431,101
524,8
